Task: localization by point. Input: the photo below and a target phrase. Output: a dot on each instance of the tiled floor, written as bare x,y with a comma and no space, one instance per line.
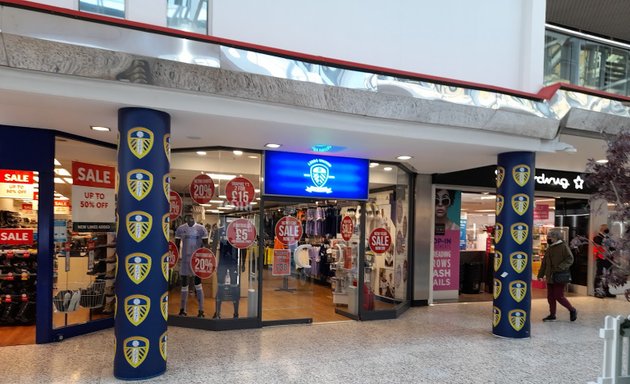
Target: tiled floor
446,343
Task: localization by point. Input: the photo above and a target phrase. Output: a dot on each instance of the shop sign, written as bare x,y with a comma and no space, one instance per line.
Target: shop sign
347,228
241,233
203,263
27,206
202,189
575,182
306,175
380,240
93,197
240,192
16,184
16,236
281,262
541,212
176,205
173,254
288,230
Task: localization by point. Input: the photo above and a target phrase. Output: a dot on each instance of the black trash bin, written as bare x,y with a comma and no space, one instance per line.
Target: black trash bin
472,276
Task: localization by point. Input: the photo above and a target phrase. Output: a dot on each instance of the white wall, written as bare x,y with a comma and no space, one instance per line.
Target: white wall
479,41
146,11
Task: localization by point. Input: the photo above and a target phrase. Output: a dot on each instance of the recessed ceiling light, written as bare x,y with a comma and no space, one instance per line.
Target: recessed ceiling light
404,157
237,152
272,145
62,172
602,161
387,169
68,180
57,162
252,156
201,153
100,128
59,181
372,165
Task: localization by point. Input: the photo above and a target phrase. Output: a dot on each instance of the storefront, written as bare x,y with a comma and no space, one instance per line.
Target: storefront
332,246
561,200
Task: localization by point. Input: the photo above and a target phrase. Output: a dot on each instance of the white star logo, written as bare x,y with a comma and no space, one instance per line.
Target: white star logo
579,182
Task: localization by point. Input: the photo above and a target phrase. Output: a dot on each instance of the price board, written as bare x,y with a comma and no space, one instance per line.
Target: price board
347,228
281,262
202,189
203,263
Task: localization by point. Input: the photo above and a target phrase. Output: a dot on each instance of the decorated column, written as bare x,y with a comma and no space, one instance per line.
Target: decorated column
513,245
142,243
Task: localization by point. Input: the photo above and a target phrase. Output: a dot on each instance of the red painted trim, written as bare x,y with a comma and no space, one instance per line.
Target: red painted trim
545,93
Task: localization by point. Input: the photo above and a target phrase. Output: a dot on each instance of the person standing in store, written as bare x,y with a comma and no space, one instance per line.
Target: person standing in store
189,237
602,263
558,258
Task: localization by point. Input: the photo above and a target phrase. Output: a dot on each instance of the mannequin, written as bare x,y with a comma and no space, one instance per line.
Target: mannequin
189,237
227,270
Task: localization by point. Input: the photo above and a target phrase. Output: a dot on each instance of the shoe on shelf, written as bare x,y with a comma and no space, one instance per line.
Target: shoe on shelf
200,314
549,318
182,312
573,315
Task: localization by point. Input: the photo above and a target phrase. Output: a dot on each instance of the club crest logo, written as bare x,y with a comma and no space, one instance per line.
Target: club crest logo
164,261
117,221
518,290
136,349
519,232
496,316
116,305
139,225
137,308
319,175
138,266
518,261
500,203
496,289
116,182
139,183
163,340
520,203
164,305
521,174
140,141
166,224
498,260
167,146
500,176
166,183
498,233
517,319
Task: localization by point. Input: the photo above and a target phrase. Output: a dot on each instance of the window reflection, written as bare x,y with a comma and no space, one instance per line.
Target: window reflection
106,7
188,15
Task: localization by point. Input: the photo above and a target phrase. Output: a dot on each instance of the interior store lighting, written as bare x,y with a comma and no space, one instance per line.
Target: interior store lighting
237,153
220,176
602,161
404,157
273,145
62,172
387,169
68,180
100,128
201,153
57,163
59,181
252,156
374,165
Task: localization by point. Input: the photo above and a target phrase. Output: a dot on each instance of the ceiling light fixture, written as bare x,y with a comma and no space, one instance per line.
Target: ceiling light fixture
373,165
387,169
602,161
237,152
272,145
59,181
57,162
62,172
252,156
68,180
404,157
201,153
100,128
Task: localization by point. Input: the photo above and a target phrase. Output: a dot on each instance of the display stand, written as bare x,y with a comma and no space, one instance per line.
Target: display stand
285,285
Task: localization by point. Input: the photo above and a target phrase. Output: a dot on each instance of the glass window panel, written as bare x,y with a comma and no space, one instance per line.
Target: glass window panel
188,15
106,7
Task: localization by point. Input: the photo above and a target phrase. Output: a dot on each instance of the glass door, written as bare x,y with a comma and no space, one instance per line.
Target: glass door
309,272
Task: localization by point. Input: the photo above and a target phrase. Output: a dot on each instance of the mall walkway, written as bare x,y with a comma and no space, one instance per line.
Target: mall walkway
446,343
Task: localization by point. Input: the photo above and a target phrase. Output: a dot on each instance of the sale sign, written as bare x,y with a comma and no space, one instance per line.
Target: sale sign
61,207
281,262
203,263
202,189
347,228
240,192
241,233
16,184
176,205
288,230
173,254
380,240
16,236
93,197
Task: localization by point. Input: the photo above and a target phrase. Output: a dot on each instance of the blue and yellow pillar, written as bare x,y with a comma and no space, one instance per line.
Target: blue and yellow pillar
513,245
142,243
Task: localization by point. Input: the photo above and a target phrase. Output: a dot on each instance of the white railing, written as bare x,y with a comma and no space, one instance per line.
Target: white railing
614,369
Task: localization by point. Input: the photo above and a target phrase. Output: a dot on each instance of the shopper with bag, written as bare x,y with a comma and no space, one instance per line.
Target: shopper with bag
555,270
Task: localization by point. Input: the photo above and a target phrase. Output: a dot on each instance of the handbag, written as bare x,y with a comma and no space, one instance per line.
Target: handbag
562,277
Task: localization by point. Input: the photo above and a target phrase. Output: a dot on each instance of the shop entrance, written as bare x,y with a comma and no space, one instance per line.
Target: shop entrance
310,266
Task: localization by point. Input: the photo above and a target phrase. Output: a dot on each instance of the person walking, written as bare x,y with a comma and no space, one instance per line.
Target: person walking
558,258
601,243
